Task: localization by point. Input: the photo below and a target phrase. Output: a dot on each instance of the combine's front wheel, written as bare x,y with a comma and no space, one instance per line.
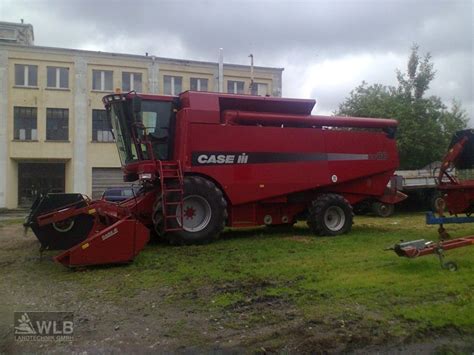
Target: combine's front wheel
330,214
157,216
204,213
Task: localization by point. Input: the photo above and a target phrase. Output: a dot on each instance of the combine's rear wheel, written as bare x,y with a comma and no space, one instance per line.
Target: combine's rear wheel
330,214
204,213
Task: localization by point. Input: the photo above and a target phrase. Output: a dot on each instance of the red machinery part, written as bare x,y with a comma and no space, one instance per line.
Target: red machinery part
118,243
117,233
246,117
458,196
421,247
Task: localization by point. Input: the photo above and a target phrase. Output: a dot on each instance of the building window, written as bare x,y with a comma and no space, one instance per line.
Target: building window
57,124
199,84
102,80
101,127
173,85
58,78
131,81
235,87
259,89
24,125
26,75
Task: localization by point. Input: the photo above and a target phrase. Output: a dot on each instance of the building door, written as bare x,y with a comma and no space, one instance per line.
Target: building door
39,178
103,178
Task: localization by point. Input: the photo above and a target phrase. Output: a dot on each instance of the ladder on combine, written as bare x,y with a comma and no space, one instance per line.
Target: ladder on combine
171,180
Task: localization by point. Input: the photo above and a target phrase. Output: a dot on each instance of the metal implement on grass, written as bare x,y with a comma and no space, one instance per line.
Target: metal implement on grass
457,198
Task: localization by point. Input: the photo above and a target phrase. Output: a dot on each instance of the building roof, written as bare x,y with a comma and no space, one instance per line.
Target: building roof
149,57
19,33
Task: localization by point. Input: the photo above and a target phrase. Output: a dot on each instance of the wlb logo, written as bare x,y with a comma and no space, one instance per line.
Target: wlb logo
43,326
24,325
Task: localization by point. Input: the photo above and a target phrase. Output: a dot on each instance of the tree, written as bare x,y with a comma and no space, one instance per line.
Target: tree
416,80
425,123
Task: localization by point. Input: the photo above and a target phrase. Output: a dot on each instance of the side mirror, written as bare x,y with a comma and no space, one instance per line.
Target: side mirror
137,104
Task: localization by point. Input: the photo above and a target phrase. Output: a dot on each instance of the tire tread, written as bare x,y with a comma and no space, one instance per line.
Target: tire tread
316,210
207,187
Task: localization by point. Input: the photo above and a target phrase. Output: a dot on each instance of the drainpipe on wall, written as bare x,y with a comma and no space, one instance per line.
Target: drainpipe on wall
251,74
153,76
221,69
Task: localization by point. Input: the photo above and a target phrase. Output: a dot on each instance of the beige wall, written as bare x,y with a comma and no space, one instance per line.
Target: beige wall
99,154
42,98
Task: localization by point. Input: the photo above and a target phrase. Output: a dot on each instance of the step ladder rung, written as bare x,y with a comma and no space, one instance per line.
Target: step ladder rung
172,198
170,173
169,199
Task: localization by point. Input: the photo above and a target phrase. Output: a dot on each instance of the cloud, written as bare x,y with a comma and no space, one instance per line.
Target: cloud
326,47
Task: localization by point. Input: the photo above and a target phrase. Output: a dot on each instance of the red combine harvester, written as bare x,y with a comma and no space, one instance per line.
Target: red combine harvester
457,198
209,160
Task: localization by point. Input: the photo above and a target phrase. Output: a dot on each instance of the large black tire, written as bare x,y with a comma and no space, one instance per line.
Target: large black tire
157,216
204,210
330,214
383,209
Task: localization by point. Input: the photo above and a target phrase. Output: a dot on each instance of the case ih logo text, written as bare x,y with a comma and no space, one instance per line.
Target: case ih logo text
43,326
208,159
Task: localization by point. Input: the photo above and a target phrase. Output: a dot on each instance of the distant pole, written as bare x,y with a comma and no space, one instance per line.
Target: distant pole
251,74
221,70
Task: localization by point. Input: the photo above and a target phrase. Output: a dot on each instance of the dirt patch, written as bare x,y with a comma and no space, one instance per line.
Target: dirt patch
233,315
300,239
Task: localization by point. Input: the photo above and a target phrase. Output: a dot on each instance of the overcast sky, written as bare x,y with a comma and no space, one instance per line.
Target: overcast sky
326,47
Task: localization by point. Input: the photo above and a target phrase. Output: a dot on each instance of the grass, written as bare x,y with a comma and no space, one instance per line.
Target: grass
342,279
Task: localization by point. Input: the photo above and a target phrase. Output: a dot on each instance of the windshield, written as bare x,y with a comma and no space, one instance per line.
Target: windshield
123,133
143,135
